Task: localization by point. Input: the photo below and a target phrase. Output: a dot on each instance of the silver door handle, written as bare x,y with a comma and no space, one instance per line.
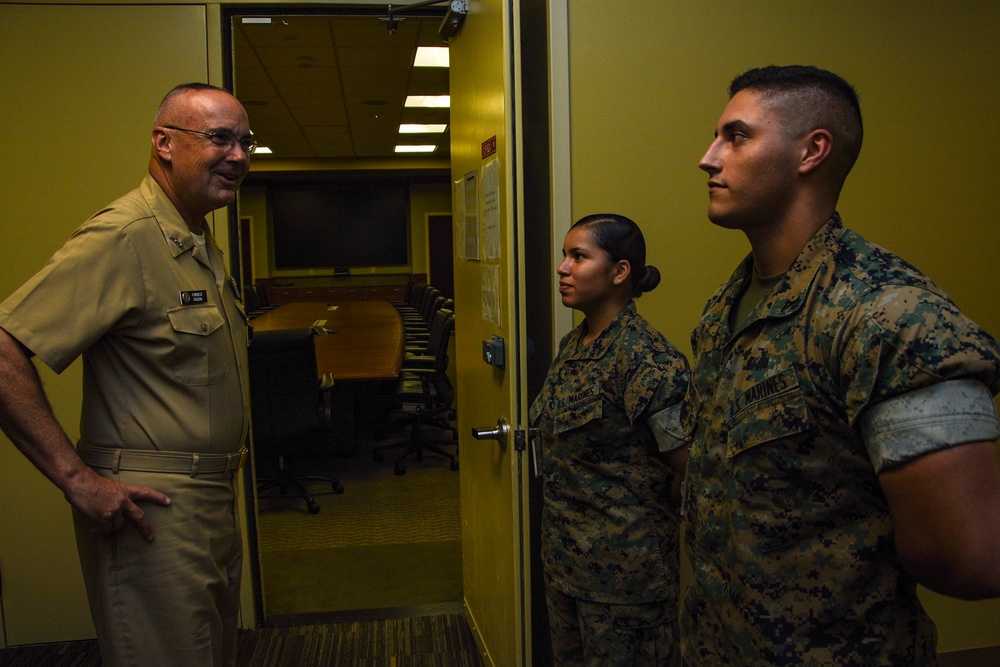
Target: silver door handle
499,433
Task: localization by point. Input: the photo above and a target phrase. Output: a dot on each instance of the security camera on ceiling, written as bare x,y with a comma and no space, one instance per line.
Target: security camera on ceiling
454,16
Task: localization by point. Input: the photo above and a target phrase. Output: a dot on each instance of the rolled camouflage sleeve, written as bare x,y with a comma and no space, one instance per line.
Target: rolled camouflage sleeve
666,408
926,420
668,428
919,376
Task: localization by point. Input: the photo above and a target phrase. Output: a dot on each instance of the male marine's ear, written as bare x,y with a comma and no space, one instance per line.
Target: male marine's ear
818,147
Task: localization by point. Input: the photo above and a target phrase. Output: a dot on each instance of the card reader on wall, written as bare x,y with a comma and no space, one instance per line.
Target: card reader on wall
493,352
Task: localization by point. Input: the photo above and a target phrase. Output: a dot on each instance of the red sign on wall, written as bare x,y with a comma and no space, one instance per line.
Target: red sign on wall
489,146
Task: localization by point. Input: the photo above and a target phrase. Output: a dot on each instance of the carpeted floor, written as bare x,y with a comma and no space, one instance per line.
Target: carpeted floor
377,506
388,541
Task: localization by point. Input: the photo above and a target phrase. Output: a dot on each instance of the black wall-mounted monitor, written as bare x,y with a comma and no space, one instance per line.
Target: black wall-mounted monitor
340,225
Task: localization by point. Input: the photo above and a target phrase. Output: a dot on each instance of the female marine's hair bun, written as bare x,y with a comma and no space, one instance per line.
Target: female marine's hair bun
647,282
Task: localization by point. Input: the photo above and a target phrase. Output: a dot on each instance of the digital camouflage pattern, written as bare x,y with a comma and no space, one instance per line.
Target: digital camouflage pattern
609,532
787,527
598,634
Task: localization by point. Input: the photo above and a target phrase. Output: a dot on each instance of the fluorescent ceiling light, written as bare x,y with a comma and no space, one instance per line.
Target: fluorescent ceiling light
413,128
262,150
415,149
437,101
431,56
259,20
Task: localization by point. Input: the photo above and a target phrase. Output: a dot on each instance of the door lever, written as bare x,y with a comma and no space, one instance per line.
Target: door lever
499,433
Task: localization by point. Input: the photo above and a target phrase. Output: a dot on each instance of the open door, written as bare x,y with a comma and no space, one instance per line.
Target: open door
489,304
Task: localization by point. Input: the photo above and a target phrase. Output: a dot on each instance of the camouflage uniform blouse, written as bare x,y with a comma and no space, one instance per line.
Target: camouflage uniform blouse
787,526
608,531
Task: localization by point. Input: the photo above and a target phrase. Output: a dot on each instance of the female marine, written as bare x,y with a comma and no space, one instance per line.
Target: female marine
613,455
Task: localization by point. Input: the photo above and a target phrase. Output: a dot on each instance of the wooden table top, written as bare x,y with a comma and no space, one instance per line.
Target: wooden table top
366,340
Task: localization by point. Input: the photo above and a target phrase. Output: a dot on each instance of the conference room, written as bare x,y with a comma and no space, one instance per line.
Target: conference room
347,259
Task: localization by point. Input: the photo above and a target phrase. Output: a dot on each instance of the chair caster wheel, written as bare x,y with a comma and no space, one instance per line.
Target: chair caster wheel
313,508
376,456
399,470
338,488
454,465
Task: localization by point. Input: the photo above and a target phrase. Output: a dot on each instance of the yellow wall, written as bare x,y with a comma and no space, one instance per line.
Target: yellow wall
424,199
649,81
75,137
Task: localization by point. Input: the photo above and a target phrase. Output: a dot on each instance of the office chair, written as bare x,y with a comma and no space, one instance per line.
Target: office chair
420,318
263,300
424,396
411,284
251,303
419,326
286,399
414,297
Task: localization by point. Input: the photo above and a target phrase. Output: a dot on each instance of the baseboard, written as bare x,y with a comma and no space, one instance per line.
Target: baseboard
972,657
470,620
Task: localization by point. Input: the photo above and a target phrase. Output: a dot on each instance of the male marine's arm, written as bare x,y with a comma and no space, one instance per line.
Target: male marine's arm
939,468
945,508
26,417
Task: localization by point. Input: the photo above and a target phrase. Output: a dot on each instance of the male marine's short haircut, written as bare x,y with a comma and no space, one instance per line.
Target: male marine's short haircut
167,104
810,98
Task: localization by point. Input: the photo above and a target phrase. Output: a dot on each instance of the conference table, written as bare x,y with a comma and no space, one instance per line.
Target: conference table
360,344
364,340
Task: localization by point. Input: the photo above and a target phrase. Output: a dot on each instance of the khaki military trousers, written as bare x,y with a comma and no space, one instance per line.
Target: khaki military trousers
172,602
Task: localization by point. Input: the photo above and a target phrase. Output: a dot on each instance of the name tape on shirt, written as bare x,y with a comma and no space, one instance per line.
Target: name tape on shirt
193,297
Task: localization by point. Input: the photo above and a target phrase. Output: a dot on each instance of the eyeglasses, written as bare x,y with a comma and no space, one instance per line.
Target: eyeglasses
223,139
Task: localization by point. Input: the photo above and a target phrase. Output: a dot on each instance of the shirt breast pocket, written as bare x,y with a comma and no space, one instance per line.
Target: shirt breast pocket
578,413
781,470
200,352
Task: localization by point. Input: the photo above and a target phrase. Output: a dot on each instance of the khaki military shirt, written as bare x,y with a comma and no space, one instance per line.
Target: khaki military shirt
787,528
163,339
608,531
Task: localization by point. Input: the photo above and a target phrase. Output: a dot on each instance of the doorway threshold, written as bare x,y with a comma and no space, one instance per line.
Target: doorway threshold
356,615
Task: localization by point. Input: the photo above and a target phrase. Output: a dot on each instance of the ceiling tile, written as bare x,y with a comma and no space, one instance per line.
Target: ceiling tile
308,83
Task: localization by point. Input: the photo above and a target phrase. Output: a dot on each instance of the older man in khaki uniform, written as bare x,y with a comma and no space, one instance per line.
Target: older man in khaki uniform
141,292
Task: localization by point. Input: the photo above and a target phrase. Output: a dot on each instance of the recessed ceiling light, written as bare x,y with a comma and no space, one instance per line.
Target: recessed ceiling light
436,101
262,150
431,56
415,149
414,128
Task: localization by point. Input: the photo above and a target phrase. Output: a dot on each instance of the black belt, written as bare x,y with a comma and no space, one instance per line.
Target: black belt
142,460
